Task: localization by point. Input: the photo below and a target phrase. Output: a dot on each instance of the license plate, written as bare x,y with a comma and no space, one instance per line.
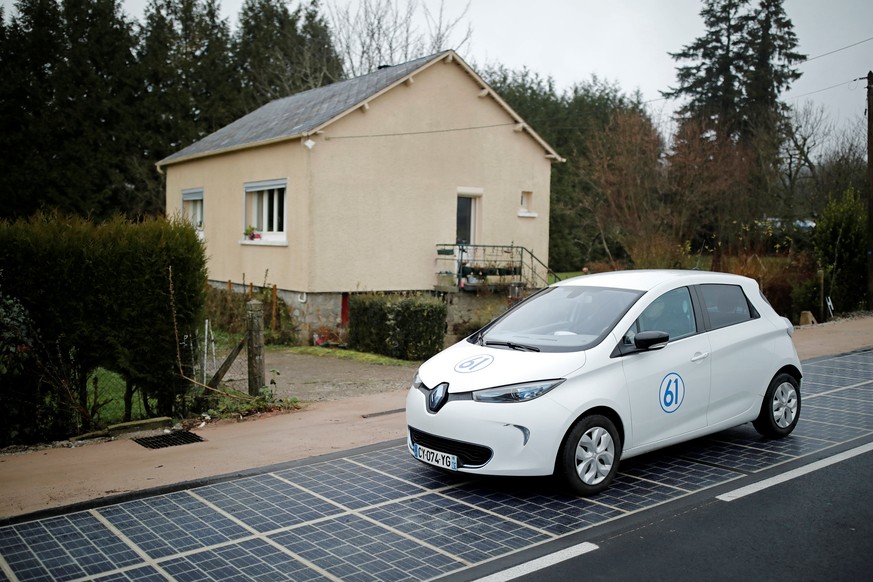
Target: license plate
436,458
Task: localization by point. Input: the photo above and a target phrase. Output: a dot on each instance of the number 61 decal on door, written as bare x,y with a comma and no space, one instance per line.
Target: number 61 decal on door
672,392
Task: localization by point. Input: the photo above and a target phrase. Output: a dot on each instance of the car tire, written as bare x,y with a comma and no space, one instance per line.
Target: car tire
589,456
780,409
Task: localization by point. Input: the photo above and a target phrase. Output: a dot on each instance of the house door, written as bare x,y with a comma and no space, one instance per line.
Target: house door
465,234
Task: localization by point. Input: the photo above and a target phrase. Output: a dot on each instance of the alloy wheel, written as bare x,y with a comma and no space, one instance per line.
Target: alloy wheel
595,454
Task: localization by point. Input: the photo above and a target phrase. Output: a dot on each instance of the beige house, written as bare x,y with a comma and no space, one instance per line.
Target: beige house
356,186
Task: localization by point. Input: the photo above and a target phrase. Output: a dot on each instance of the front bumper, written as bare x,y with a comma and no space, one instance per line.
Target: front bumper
522,438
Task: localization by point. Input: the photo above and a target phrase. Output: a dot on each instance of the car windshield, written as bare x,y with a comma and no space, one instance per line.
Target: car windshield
560,319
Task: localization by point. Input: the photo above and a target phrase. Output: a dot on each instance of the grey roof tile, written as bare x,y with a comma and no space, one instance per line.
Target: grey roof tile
298,114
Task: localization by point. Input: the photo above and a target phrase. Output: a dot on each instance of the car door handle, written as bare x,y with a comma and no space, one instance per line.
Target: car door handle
699,356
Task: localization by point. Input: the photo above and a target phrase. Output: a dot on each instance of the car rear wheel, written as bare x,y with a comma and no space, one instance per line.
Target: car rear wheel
589,456
780,409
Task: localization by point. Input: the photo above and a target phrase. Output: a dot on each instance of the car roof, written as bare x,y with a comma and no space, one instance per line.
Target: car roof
644,280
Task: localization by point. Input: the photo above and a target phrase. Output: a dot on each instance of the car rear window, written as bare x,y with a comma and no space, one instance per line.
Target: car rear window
726,305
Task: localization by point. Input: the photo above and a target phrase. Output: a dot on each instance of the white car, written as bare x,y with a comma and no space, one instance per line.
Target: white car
603,367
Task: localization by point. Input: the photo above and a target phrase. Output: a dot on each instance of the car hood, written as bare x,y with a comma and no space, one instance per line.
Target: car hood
466,367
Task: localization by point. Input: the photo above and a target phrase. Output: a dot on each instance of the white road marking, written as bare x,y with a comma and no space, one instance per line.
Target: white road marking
540,563
793,474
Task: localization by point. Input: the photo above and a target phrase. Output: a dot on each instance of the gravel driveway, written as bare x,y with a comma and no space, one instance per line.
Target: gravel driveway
319,378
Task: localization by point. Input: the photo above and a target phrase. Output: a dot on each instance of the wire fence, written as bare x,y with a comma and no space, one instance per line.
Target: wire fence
202,353
219,361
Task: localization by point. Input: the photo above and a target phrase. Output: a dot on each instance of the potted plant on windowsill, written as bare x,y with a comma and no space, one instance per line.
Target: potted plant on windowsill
251,233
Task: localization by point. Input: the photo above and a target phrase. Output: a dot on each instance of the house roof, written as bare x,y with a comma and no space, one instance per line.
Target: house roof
305,113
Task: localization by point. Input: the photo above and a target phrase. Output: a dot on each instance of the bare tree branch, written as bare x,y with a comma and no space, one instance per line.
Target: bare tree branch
371,33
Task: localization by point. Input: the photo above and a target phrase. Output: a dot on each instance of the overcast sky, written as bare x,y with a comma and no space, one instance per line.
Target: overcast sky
627,41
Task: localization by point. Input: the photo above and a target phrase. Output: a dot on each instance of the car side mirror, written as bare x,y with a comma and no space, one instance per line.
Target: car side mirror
651,340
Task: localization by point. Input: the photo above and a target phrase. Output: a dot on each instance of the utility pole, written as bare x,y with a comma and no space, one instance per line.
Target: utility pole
870,190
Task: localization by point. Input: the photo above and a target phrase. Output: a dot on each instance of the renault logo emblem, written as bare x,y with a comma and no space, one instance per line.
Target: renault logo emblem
438,397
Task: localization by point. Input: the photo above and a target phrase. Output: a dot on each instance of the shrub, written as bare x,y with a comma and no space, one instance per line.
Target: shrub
116,295
368,323
403,327
226,311
840,241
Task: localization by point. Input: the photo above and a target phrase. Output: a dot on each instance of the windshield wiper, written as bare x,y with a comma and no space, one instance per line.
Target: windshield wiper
513,346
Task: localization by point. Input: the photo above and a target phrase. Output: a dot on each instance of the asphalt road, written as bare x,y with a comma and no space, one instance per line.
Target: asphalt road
815,527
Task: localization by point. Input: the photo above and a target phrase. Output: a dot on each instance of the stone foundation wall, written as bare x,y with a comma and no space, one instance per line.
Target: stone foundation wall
312,311
466,311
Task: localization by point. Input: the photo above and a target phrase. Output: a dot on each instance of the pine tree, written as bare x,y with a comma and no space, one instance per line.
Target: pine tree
713,82
738,69
94,129
29,55
191,84
161,116
190,87
771,58
770,50
282,52
320,63
67,108
213,80
267,43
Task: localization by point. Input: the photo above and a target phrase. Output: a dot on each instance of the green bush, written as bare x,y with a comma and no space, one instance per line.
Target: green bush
368,323
397,326
226,310
806,296
840,241
117,295
419,328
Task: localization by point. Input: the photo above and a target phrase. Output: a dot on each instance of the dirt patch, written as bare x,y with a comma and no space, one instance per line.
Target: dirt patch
323,378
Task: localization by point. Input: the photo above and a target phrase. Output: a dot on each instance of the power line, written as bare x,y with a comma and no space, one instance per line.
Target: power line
824,55
848,46
820,90
423,132
838,50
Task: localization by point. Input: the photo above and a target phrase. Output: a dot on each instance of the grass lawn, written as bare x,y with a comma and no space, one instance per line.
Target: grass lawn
110,389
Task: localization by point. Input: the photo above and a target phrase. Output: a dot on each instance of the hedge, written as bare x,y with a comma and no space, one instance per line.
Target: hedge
408,327
95,295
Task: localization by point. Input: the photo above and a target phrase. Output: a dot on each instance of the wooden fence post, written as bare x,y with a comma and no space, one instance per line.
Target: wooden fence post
275,307
255,346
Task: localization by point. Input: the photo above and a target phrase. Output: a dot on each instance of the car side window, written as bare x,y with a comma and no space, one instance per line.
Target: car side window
672,312
726,305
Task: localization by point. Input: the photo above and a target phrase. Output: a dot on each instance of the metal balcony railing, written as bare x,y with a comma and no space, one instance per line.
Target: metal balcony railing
476,266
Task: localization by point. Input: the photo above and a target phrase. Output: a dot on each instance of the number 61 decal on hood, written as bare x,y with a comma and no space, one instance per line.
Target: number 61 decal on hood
474,364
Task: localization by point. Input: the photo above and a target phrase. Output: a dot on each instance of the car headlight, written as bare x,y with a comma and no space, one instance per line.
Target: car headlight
516,392
416,381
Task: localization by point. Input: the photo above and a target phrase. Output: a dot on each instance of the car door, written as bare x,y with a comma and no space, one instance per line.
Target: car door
739,340
668,388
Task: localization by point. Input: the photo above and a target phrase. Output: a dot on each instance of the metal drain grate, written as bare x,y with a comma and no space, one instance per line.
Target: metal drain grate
169,440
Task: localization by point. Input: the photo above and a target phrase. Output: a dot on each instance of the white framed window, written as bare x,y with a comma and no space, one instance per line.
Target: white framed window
525,209
192,207
265,211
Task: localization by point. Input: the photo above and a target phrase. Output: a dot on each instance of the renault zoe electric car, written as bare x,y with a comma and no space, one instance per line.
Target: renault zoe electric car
603,367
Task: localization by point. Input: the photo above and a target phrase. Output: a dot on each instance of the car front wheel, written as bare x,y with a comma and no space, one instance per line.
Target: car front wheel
589,456
780,409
